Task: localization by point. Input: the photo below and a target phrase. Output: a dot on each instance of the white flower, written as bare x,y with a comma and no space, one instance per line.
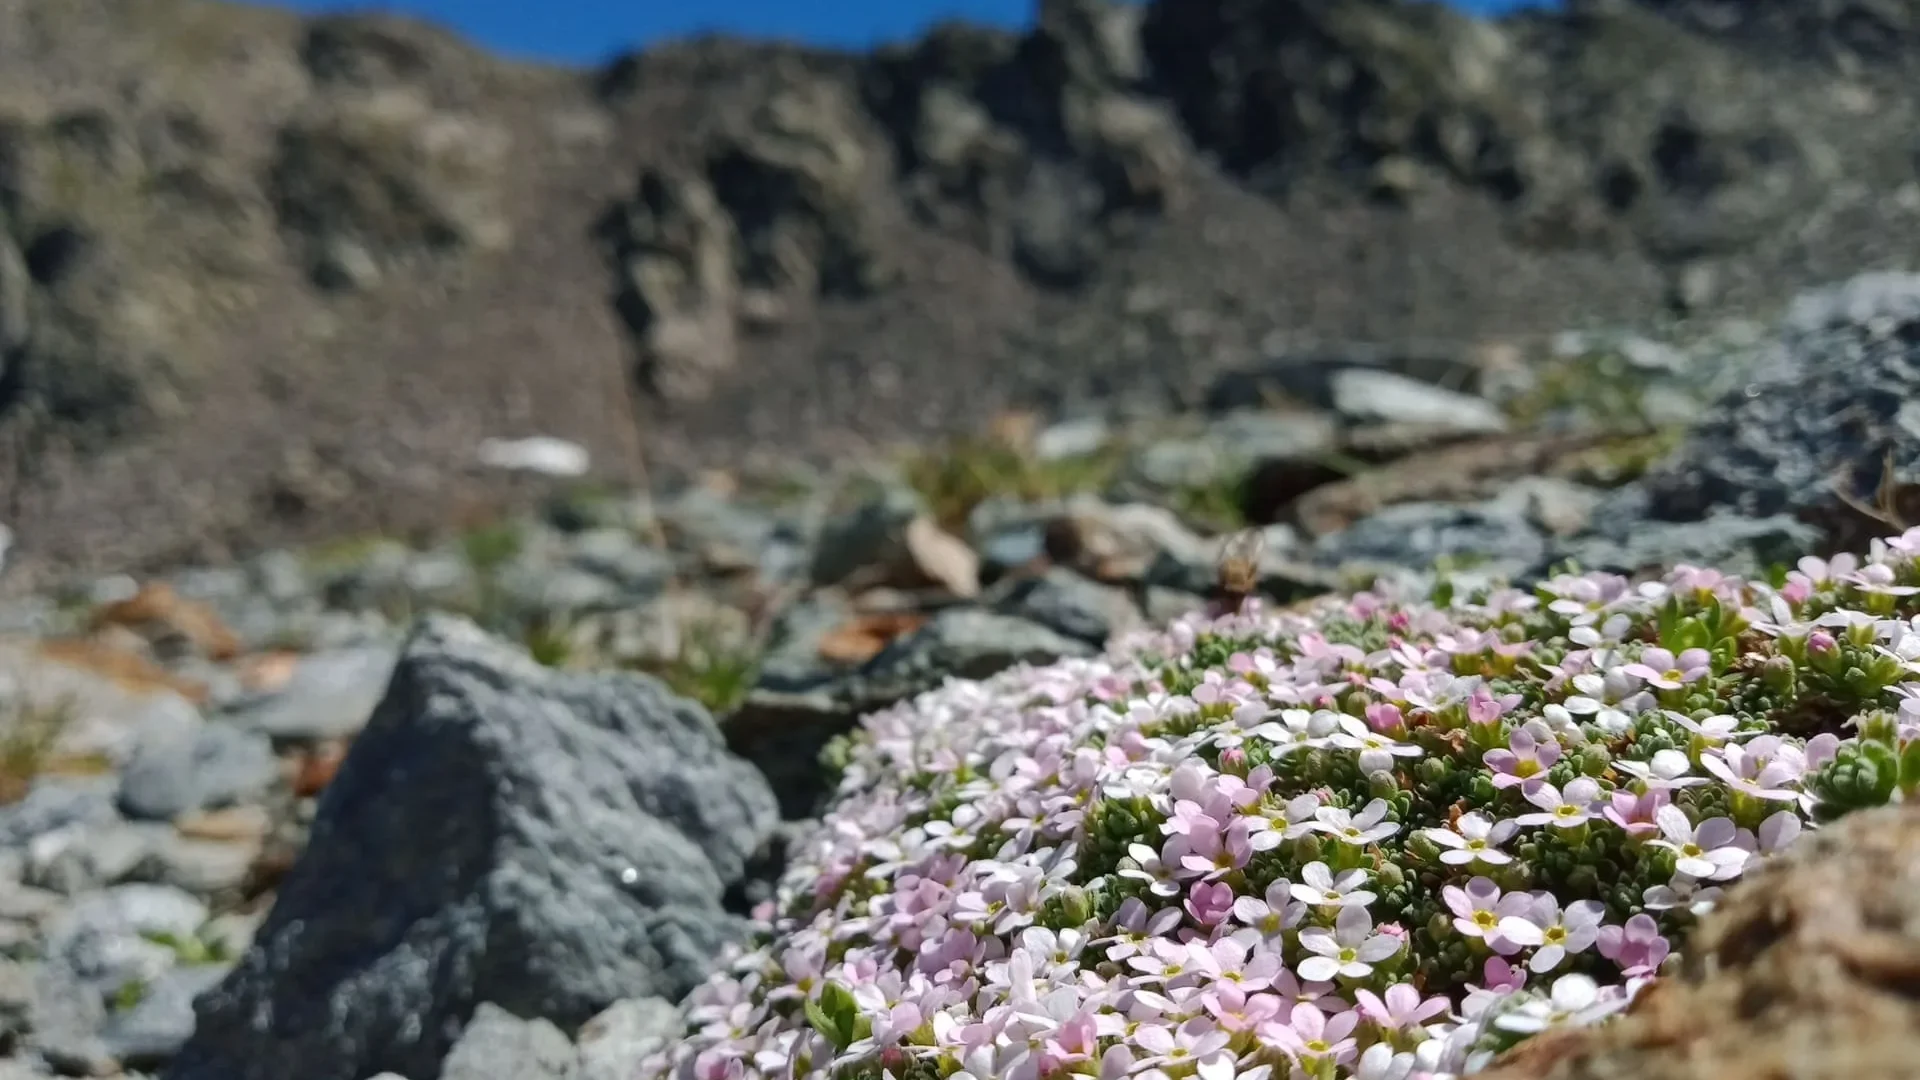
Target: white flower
1320,888
1370,825
1575,1000
1351,948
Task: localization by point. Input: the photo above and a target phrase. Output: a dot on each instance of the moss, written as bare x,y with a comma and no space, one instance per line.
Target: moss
490,547
966,472
27,747
712,667
194,950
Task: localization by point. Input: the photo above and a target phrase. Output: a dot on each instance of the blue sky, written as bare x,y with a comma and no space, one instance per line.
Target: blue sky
592,30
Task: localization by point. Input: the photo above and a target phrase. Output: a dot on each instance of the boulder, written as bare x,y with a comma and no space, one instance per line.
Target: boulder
1805,970
500,833
1814,434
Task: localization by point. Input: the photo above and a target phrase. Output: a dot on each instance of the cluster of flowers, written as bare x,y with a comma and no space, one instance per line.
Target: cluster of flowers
1376,837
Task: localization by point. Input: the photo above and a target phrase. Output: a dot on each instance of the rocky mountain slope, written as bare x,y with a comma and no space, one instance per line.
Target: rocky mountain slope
264,279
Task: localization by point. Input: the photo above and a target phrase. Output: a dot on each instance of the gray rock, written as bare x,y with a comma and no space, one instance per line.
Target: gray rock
203,867
498,1045
615,554
1064,601
16,999
150,1033
56,804
1626,539
112,937
1416,536
1162,605
1068,439
88,857
1232,446
331,695
215,766
801,703
1371,395
532,587
872,534
66,1017
726,536
281,576
625,1033
1818,419
500,832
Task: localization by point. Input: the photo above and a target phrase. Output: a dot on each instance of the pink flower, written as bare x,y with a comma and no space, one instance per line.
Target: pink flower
1184,1046
1762,768
1401,1007
1386,718
1531,750
1708,852
1637,947
1310,1034
1568,810
1230,961
1636,814
1209,902
1661,668
1237,1009
1563,931
1479,911
1134,925
1271,914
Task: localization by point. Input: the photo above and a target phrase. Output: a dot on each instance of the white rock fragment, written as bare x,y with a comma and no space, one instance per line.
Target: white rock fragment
540,453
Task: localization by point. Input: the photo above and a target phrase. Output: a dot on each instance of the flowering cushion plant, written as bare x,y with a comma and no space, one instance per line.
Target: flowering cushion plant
1376,837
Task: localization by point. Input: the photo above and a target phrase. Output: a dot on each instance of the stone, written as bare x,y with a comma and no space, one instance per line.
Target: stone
150,1033
612,1043
1628,538
55,804
942,558
800,702
1064,601
330,695
1811,432
498,1045
66,1017
1417,536
543,454
871,537
85,858
500,832
1369,395
1070,439
1803,969
176,772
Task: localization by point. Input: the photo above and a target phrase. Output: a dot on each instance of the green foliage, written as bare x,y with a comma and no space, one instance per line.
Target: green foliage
193,950
966,472
491,547
27,744
713,667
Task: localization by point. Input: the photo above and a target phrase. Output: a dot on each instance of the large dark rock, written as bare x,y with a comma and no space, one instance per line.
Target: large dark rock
549,843
1812,434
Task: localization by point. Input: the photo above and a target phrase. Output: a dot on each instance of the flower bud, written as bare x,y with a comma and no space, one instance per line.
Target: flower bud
1778,674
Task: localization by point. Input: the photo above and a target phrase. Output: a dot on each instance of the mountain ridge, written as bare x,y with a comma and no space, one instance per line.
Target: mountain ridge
266,278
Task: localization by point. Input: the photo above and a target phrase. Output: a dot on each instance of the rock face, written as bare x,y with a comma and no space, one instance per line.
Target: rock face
1805,970
368,248
1813,435
502,834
